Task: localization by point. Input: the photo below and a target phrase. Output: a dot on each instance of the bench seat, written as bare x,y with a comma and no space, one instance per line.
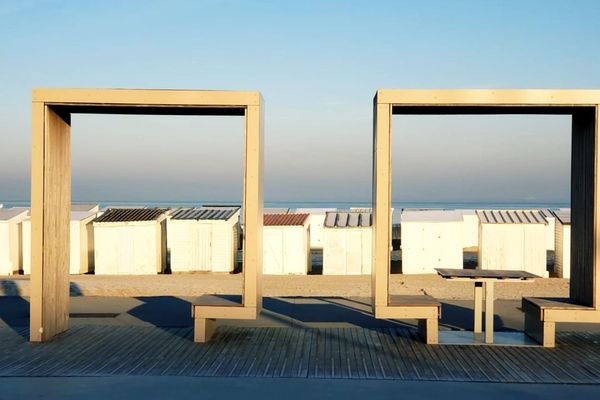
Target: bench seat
542,314
424,308
207,308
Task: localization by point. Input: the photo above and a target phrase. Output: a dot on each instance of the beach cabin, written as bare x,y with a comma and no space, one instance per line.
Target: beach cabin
431,239
470,232
11,220
347,243
81,242
286,244
512,240
562,246
203,239
550,228
130,241
316,221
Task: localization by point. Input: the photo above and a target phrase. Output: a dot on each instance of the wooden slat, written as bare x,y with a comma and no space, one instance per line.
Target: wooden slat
355,353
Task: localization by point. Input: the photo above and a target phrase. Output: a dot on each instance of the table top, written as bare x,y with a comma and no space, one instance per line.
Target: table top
499,274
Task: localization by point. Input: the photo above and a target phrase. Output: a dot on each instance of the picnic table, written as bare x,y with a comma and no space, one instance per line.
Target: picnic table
483,280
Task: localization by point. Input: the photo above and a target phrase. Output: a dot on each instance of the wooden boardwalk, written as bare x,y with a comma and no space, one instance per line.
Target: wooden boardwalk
296,352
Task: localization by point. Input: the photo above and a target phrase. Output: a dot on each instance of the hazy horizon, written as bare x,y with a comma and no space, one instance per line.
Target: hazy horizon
318,85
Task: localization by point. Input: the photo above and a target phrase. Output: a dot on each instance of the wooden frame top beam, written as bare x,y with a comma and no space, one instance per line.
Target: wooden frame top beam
488,97
147,97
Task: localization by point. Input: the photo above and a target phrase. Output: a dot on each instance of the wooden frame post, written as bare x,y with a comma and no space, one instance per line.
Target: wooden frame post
51,186
382,222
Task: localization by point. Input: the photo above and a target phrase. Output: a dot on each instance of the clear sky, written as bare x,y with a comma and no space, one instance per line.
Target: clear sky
318,65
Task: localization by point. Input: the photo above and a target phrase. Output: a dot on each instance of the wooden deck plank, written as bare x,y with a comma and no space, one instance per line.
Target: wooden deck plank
390,353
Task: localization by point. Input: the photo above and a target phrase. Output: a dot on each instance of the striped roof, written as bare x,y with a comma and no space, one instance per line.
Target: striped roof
284,219
345,219
563,215
206,213
511,217
131,214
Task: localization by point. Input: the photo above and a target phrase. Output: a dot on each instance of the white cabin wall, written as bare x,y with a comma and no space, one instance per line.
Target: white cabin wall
127,249
347,251
562,254
513,247
429,245
470,231
5,245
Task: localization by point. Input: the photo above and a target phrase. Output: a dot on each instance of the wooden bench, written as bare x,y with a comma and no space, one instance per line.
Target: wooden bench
542,314
207,308
425,309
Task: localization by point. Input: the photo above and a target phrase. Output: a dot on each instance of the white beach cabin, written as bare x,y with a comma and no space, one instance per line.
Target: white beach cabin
203,239
11,220
316,221
347,245
550,228
470,232
431,239
286,244
130,241
562,247
81,242
512,240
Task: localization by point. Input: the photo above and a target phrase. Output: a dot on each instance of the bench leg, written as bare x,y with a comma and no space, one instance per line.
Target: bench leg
477,311
204,329
489,312
541,331
428,330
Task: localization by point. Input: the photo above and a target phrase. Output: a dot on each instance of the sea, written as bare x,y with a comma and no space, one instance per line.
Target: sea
340,205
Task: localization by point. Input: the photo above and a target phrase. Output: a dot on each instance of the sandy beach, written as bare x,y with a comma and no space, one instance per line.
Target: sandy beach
289,285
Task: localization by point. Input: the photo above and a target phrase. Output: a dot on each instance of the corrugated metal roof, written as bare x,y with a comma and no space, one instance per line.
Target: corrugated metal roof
343,219
432,216
131,214
563,215
284,219
546,213
205,213
361,209
511,217
10,213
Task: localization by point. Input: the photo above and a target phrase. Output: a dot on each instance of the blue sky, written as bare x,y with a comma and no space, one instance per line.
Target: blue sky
318,65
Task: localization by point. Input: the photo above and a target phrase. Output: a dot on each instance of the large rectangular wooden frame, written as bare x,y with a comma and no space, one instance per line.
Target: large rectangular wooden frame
51,183
582,105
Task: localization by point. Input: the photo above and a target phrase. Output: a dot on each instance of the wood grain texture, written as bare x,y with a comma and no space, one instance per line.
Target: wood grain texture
51,215
381,205
353,353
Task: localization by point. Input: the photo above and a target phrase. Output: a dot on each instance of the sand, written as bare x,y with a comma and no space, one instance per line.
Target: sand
291,285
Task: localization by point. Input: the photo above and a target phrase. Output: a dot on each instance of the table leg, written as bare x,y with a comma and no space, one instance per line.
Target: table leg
477,309
489,312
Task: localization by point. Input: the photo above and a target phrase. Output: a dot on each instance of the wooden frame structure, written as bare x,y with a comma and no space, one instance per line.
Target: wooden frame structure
582,105
51,187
